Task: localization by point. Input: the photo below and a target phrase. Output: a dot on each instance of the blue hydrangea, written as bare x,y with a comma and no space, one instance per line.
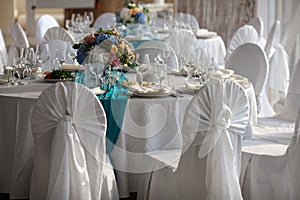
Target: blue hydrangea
140,17
81,53
100,38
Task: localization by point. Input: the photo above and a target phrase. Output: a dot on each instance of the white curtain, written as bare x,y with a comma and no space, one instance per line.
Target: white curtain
290,15
222,16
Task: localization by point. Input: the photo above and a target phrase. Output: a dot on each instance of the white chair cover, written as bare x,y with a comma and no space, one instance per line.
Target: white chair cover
273,38
279,75
258,24
270,176
171,61
58,33
70,162
3,51
245,34
188,33
44,22
19,40
183,45
292,103
250,61
3,54
188,20
105,20
153,44
214,122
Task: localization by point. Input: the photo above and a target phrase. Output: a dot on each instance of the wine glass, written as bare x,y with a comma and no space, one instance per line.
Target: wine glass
88,18
29,61
71,53
60,57
160,71
42,54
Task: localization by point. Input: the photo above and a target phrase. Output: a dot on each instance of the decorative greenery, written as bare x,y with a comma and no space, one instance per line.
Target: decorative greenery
59,74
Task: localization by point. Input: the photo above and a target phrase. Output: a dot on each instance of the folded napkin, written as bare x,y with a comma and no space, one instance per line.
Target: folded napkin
206,35
67,66
152,90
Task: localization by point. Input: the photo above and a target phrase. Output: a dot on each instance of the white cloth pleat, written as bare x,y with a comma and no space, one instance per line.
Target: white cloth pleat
209,166
70,161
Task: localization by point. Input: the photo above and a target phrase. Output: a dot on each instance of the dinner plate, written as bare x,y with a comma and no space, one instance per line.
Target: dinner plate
152,95
58,80
152,92
206,35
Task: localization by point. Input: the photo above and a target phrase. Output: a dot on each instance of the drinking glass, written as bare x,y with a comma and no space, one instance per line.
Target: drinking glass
29,61
160,72
71,53
60,57
42,54
88,18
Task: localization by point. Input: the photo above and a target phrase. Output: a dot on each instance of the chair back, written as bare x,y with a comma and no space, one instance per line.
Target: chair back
58,33
245,34
69,130
153,44
273,39
214,123
250,61
19,41
187,20
105,20
258,24
44,22
18,36
292,103
3,54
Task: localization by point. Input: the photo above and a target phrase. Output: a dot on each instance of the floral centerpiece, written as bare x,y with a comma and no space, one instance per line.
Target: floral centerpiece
115,50
132,13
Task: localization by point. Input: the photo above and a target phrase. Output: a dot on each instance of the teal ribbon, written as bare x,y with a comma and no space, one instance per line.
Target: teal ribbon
114,103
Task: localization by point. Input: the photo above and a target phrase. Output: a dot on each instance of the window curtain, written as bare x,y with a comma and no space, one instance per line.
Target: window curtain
290,15
222,16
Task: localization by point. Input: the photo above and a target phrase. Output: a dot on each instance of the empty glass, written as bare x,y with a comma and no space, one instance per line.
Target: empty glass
42,54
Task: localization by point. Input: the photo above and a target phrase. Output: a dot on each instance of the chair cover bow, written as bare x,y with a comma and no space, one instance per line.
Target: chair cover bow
75,123
220,111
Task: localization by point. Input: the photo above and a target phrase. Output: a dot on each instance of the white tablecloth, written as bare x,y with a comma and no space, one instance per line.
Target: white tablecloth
16,141
216,48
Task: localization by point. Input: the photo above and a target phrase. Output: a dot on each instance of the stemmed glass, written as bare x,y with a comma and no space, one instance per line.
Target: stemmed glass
76,22
42,54
71,53
88,18
160,72
60,57
29,61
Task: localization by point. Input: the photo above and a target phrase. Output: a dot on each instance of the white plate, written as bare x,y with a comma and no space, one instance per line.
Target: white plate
152,95
58,80
152,92
206,35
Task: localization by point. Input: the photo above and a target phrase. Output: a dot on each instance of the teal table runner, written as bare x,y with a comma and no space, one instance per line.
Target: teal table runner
114,103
